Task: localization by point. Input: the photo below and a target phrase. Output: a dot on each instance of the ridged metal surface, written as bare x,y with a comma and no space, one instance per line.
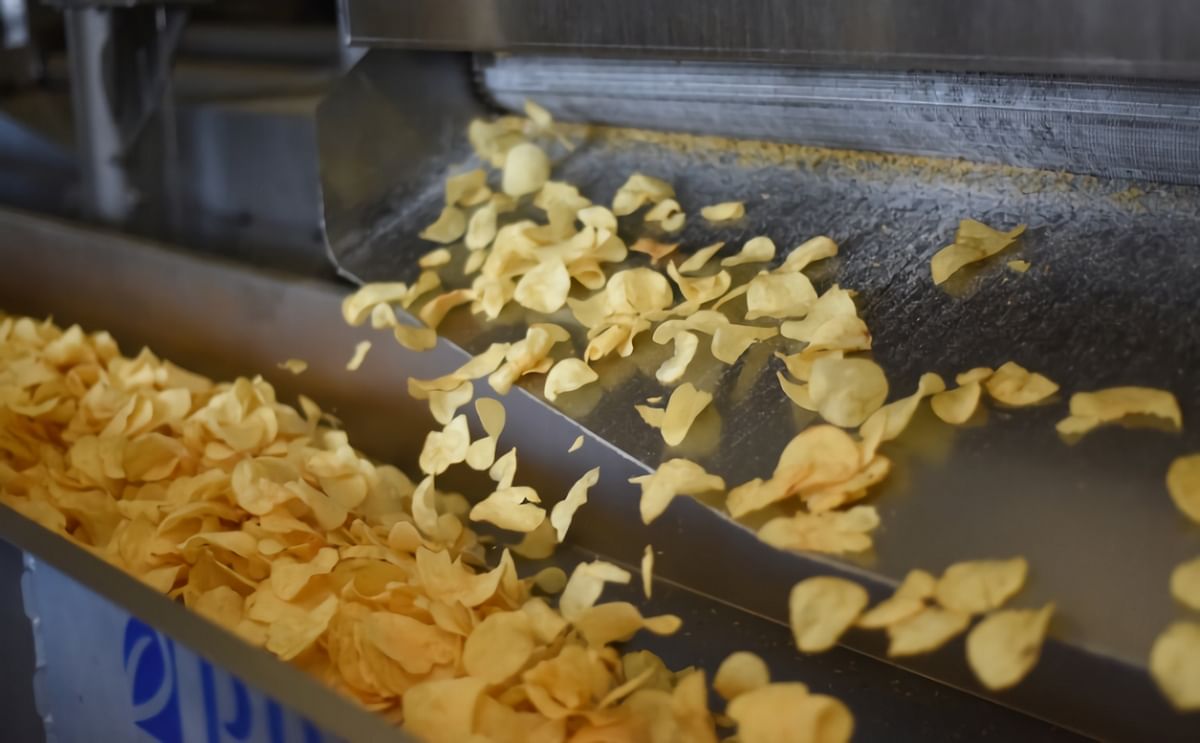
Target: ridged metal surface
1119,129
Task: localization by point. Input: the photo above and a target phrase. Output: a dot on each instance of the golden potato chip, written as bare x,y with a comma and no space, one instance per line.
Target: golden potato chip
909,598
434,258
360,355
799,365
296,366
1018,266
292,634
831,316
1004,647
1175,664
383,316
924,631
1183,484
637,191
673,369
724,212
978,374
467,187
1185,583
443,710
797,393
618,621
414,338
545,287
1092,409
818,456
511,508
668,214
673,477
499,647
1016,386
697,260
550,580
683,407
564,511
730,341
446,447
847,391
700,290
978,586
526,170
756,250
648,570
578,442
289,577
974,242
481,229
653,248
890,421
425,283
810,251
739,673
568,375
450,225
831,532
443,404
821,608
956,406
779,295
585,586
783,712
598,217
435,310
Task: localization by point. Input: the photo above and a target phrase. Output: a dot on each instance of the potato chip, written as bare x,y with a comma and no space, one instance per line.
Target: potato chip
847,391
683,407
481,229
425,283
739,673
637,191
289,577
568,375
779,295
978,586
1004,647
1185,583
545,287
810,251
797,393
909,599
564,511
499,647
668,214
890,421
585,586
1018,266
925,630
443,404
1183,484
648,570
466,187
296,366
973,242
1092,409
756,250
511,508
726,211
434,258
833,311
821,608
831,532
697,260
435,310
450,225
698,291
443,710
673,369
956,406
653,248
360,355
618,621
291,635
526,170
446,447
730,341
578,442
1016,386
782,712
816,457
673,477
1175,664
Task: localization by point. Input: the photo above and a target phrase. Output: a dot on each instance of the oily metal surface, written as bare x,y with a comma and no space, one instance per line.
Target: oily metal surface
225,319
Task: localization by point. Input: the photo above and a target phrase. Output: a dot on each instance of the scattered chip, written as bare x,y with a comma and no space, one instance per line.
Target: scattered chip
978,586
1016,386
779,296
756,250
974,242
434,258
564,510
1018,266
568,375
360,355
730,341
446,447
847,391
724,212
526,170
1004,647
910,598
683,407
499,647
924,631
653,248
821,608
1183,483
467,189
739,673
578,442
668,214
1185,583
673,369
784,712
1175,664
513,508
296,366
830,532
586,584
890,421
956,406
450,225
638,190
700,258
648,570
357,307
810,251
673,477
1092,409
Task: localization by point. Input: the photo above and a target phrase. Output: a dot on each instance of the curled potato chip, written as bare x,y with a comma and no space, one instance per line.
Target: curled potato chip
526,170
831,532
1185,583
435,310
730,341
360,355
1016,386
443,710
925,630
797,393
653,248
890,421
832,323
295,366
434,258
739,673
700,290
511,508
1004,647
909,599
414,338
799,365
724,212
578,442
821,608
585,586
637,191
973,242
568,375
673,477
446,447
847,391
700,258
1175,664
978,586
499,647
545,287
648,570
810,251
787,712
668,214
357,307
673,369
978,374
443,404
466,188
448,227
481,229
618,621
1183,484
683,407
1092,409
956,406
564,511
817,457
756,250
425,283
779,295
289,577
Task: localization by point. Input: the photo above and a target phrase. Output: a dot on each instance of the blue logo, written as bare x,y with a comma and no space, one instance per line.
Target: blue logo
150,670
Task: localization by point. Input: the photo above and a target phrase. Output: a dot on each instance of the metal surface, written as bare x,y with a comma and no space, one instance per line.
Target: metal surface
17,705
1152,38
225,319
1109,301
1116,129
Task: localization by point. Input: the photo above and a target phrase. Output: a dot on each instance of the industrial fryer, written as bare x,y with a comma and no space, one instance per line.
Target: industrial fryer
880,124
